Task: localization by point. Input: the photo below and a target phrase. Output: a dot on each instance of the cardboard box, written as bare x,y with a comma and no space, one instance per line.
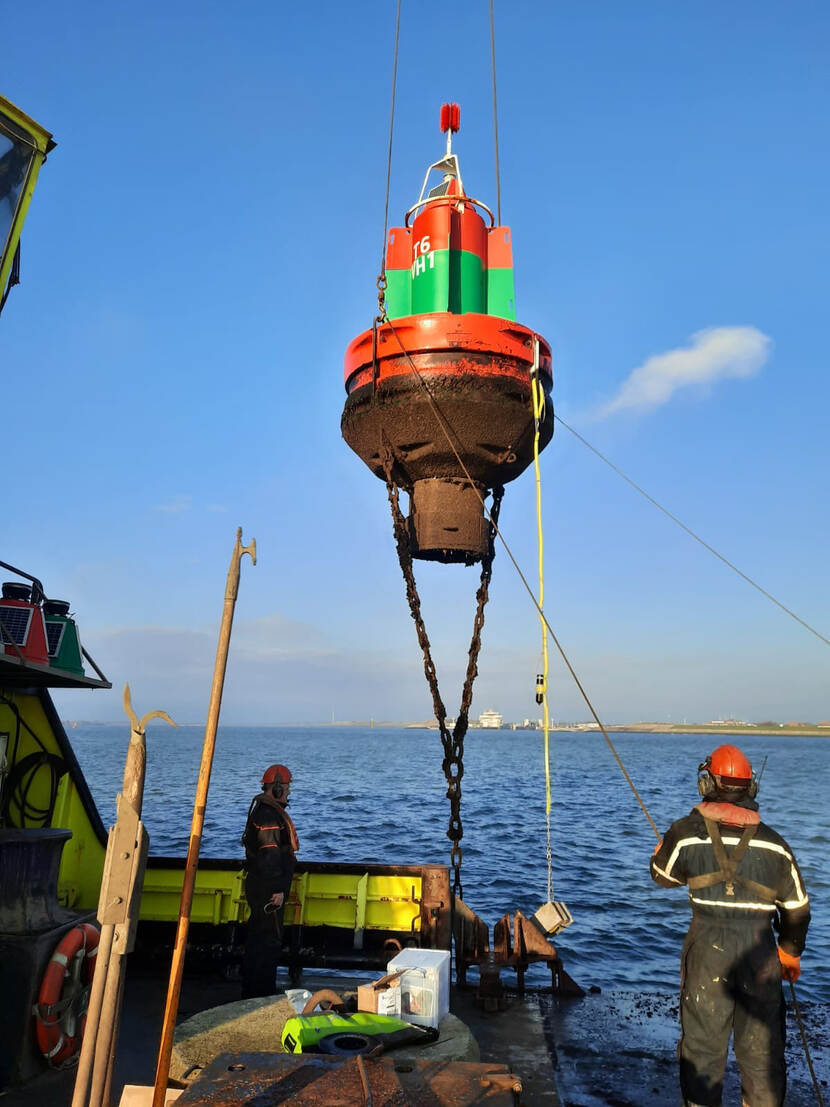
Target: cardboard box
381,997
424,985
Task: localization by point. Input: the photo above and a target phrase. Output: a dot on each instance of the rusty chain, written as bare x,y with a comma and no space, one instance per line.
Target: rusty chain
452,742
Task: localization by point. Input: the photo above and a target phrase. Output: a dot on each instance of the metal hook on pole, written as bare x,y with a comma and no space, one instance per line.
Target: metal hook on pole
197,824
135,766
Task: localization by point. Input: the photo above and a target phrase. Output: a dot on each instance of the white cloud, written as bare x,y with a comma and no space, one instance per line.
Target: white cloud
714,354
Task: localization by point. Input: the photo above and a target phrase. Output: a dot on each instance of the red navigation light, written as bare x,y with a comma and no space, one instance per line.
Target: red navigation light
450,117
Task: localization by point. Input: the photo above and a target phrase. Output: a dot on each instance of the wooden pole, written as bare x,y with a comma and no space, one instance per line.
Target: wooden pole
114,913
197,824
83,1076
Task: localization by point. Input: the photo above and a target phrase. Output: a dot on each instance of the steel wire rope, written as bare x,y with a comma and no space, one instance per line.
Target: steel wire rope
383,317
691,533
381,281
446,427
495,110
807,1054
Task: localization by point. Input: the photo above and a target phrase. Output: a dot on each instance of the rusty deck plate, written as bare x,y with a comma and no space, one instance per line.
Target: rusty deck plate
312,1080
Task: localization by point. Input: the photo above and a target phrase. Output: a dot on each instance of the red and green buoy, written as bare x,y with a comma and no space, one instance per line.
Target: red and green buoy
442,383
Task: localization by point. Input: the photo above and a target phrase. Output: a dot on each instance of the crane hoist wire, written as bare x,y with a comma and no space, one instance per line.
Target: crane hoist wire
453,743
381,282
495,110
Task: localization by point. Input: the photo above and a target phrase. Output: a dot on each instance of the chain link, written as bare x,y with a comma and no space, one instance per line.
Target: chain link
381,285
451,741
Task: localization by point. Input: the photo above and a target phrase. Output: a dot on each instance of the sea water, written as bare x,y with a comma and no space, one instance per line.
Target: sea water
377,795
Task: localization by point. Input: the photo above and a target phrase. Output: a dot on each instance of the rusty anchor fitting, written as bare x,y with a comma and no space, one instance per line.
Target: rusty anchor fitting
518,943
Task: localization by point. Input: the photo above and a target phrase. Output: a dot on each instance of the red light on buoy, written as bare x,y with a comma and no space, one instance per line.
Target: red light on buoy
450,117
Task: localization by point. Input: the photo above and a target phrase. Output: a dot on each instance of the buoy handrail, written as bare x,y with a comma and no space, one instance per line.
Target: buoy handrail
450,200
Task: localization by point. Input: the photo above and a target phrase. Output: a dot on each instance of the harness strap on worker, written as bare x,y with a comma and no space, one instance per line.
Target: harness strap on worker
727,873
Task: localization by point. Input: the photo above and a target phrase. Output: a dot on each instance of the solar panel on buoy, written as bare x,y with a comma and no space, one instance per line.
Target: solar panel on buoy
54,634
15,624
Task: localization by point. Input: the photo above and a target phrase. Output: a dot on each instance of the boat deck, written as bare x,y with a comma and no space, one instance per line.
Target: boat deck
608,1050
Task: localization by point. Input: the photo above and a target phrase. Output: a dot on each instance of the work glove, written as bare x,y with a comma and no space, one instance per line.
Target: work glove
790,966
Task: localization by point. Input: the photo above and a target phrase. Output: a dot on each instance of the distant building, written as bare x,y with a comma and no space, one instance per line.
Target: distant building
490,720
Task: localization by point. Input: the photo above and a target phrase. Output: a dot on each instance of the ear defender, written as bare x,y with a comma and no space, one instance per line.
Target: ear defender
706,783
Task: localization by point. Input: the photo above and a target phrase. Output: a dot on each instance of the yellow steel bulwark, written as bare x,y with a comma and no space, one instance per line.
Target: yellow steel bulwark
41,144
351,900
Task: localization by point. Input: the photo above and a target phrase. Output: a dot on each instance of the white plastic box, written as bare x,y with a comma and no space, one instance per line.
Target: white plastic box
425,984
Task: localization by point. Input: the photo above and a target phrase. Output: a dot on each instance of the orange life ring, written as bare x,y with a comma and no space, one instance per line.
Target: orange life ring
60,1012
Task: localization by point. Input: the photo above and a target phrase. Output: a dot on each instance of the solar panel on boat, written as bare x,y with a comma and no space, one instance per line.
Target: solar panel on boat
54,633
15,624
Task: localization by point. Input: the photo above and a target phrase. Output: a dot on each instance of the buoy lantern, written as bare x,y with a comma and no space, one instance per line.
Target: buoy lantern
22,628
65,651
446,373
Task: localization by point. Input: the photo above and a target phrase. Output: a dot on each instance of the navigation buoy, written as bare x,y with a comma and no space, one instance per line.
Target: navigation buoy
442,383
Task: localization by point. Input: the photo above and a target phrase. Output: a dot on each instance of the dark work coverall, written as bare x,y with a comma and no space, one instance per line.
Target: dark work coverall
270,862
741,877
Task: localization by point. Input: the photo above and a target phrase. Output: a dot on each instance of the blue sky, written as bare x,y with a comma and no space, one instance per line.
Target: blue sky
204,243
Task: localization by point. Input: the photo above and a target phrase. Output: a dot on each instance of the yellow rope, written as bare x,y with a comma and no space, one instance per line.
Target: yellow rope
538,396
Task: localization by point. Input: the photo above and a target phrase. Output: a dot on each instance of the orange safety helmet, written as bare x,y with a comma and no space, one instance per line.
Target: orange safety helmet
276,774
726,769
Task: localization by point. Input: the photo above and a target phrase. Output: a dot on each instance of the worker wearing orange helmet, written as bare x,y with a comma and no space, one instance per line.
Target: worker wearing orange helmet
741,877
271,844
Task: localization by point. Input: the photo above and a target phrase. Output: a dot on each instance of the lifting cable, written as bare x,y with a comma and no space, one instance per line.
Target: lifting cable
492,516
495,111
691,533
381,282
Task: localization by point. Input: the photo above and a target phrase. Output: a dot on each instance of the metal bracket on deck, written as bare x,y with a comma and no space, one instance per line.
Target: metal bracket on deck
517,944
123,875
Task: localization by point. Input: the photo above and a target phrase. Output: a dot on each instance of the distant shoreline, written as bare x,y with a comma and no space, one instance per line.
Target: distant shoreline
582,728
706,728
